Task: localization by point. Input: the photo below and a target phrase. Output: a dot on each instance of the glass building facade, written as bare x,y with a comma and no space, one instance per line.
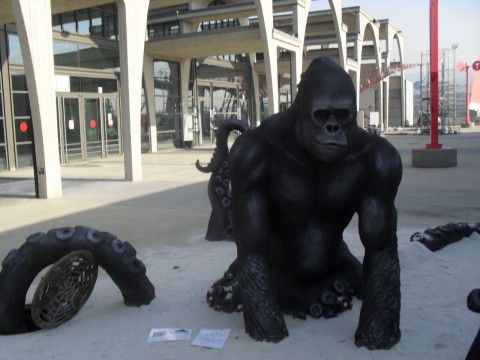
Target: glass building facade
87,74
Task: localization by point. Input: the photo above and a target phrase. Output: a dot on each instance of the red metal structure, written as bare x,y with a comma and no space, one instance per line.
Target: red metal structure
434,76
373,75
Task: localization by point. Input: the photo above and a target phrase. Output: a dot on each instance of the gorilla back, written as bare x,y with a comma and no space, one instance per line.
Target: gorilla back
296,182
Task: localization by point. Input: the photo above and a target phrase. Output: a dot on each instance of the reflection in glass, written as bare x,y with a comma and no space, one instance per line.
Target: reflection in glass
14,50
21,104
111,127
93,128
19,81
73,146
83,21
65,54
24,155
3,157
167,104
23,130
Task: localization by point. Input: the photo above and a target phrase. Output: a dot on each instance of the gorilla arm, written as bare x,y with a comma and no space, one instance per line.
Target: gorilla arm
249,177
250,173
378,326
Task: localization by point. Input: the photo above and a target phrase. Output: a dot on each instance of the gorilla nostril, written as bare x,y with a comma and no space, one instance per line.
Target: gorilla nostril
332,128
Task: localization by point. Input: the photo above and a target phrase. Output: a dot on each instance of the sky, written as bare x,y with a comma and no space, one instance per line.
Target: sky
458,23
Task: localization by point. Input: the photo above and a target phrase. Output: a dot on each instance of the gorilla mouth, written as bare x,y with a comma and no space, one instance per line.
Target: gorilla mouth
330,144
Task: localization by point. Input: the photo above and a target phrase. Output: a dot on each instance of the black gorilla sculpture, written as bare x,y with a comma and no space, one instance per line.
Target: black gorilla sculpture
296,182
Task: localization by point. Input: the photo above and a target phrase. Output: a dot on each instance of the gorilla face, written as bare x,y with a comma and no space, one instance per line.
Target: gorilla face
326,112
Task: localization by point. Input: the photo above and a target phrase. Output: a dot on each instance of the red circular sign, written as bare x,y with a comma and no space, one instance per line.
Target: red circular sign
476,65
460,66
93,123
23,126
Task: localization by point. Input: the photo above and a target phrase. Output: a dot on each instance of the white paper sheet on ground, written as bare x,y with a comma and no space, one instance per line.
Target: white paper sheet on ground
211,338
169,334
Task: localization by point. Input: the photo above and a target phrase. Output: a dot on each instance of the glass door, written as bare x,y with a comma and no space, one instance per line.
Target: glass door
112,127
72,130
205,116
89,127
93,128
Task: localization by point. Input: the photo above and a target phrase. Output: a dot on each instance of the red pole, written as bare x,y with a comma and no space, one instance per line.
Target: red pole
467,96
434,76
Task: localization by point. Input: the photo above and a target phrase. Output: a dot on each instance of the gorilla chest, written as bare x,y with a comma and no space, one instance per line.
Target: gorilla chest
316,191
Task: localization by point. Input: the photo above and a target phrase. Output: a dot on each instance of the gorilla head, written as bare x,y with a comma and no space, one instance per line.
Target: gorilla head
326,110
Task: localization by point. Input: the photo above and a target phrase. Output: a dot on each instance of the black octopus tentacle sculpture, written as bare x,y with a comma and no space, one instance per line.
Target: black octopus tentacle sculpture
21,266
219,225
439,237
473,303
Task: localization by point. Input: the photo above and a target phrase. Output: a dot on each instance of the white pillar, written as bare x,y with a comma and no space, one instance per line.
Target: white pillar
34,25
336,8
148,79
386,103
184,78
265,20
300,17
132,22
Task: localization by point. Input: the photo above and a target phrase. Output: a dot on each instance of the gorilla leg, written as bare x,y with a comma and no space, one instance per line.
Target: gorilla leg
261,308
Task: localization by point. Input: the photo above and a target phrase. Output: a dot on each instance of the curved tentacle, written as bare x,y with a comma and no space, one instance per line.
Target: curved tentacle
21,266
439,237
221,149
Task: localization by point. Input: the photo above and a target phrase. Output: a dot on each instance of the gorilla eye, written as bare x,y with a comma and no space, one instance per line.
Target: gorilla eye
321,114
342,113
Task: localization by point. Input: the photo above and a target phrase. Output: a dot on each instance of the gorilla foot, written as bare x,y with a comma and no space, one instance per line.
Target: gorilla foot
224,295
261,309
379,332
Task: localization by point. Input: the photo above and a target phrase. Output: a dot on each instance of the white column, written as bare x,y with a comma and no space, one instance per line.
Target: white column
34,25
336,8
148,77
265,20
132,22
300,17
184,77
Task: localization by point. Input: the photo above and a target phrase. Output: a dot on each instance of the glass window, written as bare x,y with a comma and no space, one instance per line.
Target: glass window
98,58
19,81
24,155
22,130
110,21
65,54
68,22
83,21
14,49
73,55
2,131
21,105
85,84
167,102
56,22
3,158
96,16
